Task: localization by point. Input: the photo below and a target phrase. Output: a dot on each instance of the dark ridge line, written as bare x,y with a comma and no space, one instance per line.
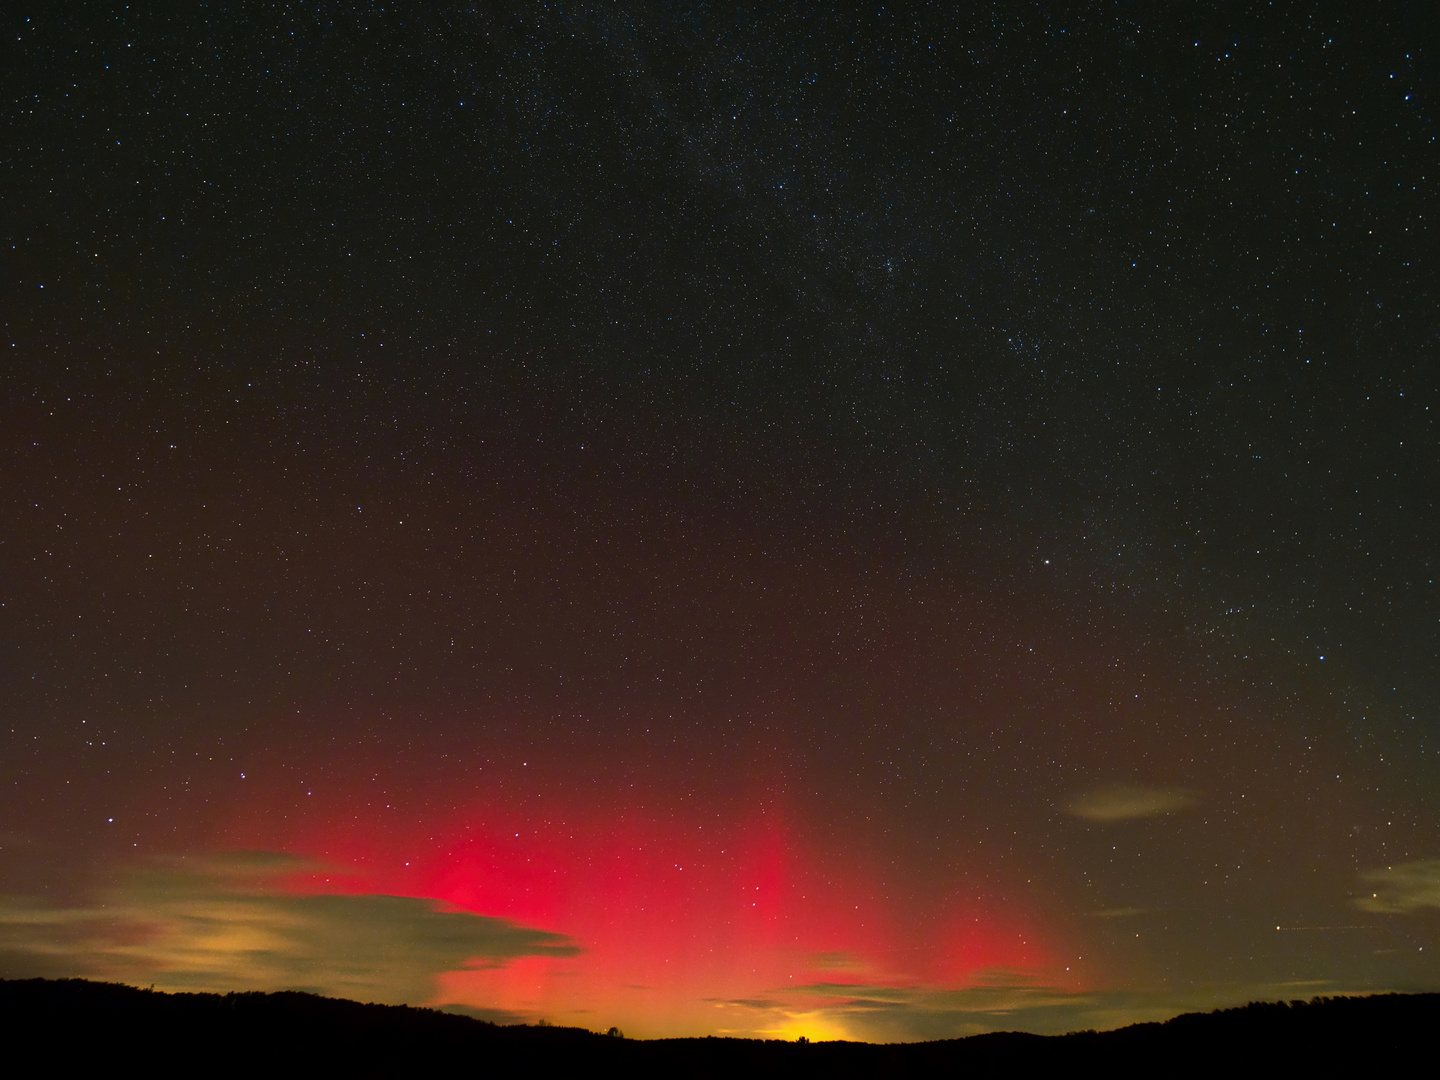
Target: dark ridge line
74,1020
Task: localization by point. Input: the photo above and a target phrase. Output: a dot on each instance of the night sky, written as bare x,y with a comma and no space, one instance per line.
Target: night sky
723,519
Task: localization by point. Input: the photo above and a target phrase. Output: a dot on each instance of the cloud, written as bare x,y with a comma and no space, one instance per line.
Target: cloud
1003,1003
1001,1000
1400,889
490,1016
1124,802
837,960
225,923
744,1003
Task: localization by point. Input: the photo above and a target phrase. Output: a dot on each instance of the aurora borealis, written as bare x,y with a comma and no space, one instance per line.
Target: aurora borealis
711,521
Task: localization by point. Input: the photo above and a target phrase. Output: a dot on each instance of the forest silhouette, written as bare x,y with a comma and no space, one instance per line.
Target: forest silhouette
71,1023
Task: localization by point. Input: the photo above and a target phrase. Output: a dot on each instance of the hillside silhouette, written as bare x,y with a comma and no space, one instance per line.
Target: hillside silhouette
70,1023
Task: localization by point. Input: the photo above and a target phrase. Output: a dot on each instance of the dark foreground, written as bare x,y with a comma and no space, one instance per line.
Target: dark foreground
65,1024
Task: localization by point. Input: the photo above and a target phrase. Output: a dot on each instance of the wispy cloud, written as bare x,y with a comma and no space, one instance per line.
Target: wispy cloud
745,1003
1000,1000
225,923
1402,888
1124,802
838,961
490,1016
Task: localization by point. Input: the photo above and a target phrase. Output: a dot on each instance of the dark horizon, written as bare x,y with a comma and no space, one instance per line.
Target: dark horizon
297,1031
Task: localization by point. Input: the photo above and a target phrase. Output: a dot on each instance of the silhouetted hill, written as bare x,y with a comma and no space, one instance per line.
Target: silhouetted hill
61,1025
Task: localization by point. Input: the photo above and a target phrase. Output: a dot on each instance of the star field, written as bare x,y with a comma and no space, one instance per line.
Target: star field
885,523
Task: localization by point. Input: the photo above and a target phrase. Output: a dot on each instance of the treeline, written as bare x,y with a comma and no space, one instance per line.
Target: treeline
68,1024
